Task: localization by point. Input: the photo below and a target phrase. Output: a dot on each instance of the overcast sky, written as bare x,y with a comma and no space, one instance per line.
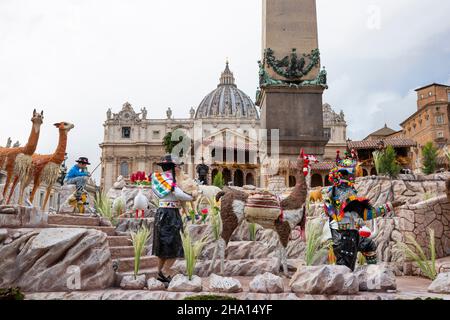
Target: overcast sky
75,59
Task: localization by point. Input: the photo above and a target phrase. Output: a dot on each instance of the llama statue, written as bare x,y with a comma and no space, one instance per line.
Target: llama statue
17,160
46,168
264,209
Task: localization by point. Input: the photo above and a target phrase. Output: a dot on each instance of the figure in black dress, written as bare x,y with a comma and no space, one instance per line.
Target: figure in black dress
167,245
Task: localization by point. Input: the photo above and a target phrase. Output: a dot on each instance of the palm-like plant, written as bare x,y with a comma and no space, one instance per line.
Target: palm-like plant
192,250
252,231
377,160
118,207
417,254
214,219
218,180
447,154
386,162
314,247
429,155
139,240
361,259
103,206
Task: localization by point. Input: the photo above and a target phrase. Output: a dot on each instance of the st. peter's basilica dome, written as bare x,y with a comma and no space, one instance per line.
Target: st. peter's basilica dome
227,101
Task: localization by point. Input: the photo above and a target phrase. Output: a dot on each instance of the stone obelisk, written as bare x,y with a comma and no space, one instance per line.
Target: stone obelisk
291,81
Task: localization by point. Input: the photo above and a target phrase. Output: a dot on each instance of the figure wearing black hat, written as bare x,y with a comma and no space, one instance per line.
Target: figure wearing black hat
202,171
167,245
78,176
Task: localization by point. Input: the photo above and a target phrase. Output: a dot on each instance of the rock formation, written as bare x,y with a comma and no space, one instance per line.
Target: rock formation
57,259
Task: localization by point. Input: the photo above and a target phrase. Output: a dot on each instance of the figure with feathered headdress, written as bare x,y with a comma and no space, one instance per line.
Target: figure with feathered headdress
348,213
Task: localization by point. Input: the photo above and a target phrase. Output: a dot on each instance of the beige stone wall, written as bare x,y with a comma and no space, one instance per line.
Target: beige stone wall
416,219
409,188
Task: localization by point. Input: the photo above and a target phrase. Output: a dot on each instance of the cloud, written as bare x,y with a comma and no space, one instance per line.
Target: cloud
373,71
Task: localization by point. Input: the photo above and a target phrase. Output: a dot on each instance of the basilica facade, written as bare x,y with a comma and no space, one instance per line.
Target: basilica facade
223,133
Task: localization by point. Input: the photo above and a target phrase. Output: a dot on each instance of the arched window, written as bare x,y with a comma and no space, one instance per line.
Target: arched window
124,169
316,180
249,179
238,178
292,181
226,176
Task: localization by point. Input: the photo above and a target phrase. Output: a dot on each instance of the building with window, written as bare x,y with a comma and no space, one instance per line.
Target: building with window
223,130
335,129
431,120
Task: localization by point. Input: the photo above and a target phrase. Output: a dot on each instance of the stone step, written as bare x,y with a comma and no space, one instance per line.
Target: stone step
127,264
119,241
245,267
110,231
73,220
240,250
149,273
122,252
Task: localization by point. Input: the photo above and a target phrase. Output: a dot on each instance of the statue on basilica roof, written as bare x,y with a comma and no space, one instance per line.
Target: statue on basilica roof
144,113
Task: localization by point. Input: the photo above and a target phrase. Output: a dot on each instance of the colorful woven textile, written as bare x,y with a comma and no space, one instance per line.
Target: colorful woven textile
162,184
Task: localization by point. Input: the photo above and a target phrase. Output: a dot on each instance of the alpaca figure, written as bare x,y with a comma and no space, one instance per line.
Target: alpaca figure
20,157
46,168
289,214
315,195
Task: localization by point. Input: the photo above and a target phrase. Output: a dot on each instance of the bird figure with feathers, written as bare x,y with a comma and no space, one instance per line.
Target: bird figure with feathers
140,203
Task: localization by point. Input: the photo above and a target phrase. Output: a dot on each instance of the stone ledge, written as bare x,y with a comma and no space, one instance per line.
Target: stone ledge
246,267
165,295
22,217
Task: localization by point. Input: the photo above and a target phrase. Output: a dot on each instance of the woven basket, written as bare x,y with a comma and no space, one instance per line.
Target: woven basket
263,209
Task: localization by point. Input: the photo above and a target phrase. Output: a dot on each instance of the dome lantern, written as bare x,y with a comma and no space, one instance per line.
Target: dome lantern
227,77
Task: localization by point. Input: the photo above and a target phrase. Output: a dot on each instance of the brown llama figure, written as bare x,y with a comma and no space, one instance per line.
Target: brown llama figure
46,168
289,213
21,156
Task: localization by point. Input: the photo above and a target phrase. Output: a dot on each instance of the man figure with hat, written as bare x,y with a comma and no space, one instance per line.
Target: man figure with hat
167,244
348,213
79,175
